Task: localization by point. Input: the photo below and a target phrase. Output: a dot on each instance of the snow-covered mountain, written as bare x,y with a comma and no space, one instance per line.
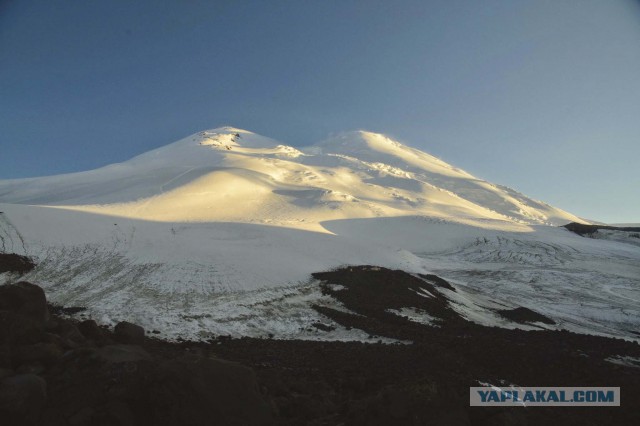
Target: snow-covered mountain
233,175
219,232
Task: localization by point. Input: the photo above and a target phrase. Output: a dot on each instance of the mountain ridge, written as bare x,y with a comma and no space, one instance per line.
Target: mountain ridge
353,174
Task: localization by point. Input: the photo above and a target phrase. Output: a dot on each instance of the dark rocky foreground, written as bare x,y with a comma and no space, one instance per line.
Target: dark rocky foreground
57,371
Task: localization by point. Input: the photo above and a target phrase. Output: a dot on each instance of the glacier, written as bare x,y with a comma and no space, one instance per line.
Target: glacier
218,234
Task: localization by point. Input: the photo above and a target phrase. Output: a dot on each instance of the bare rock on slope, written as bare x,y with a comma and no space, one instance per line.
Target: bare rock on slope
26,299
127,332
11,262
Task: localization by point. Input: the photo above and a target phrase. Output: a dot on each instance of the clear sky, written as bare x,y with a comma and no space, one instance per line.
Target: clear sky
542,96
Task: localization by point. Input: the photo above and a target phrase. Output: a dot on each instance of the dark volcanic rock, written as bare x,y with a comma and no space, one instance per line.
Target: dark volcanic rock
125,384
421,403
68,331
31,368
582,229
16,328
83,417
5,358
373,292
196,390
10,262
438,281
65,310
323,327
123,353
91,330
127,332
22,398
524,315
115,384
45,353
26,299
380,383
5,372
305,382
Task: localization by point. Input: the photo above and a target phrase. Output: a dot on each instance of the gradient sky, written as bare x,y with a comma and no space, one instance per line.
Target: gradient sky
542,96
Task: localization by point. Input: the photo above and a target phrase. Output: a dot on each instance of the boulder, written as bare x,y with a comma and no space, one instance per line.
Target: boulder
91,330
25,299
70,334
22,398
126,332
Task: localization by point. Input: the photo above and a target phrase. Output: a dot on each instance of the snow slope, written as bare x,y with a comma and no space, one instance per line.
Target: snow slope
233,175
218,234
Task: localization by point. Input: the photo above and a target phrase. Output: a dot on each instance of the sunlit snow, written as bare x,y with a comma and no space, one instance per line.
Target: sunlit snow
218,234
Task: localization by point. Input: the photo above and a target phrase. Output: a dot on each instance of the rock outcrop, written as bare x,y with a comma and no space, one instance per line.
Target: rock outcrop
57,371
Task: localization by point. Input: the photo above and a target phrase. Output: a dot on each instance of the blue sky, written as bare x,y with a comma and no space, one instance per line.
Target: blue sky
542,96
